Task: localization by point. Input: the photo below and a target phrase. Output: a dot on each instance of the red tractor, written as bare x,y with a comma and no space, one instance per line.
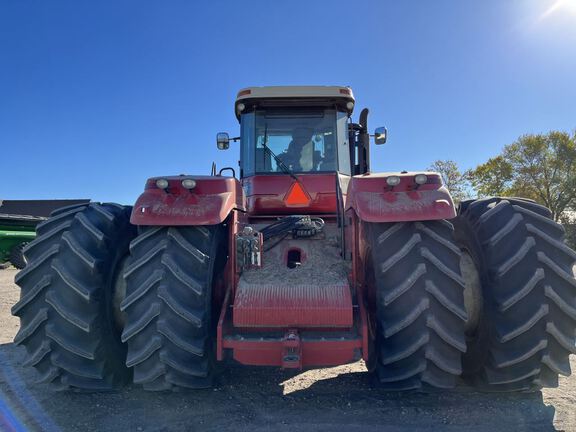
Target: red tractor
307,259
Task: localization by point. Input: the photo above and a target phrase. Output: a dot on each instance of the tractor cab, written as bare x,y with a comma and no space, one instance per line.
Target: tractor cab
297,138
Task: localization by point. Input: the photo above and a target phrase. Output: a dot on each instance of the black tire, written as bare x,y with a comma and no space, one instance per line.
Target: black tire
419,296
527,329
17,256
66,318
168,306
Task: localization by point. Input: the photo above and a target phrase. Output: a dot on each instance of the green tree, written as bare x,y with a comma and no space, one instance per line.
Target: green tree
493,178
541,167
453,178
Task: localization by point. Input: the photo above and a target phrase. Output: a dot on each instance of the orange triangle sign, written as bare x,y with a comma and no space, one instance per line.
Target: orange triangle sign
297,195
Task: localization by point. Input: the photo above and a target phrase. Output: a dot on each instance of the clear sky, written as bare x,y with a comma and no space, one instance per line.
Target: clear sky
96,96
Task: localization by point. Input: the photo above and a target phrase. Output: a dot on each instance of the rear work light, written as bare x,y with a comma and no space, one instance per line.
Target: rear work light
393,181
421,179
162,183
189,183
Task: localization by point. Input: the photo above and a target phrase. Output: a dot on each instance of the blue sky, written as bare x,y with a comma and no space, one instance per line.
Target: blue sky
96,96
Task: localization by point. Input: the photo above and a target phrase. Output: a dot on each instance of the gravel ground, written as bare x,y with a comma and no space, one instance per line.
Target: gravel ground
250,399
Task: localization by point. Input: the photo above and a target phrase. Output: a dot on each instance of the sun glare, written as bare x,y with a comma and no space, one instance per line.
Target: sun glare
560,6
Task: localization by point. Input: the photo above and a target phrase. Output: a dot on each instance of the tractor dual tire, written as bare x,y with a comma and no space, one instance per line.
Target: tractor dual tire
419,312
527,328
66,303
168,306
17,256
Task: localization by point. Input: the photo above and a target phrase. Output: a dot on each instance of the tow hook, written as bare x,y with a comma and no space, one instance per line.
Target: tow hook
292,354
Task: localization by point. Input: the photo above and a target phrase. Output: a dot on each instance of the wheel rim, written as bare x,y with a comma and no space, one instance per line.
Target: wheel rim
118,295
472,292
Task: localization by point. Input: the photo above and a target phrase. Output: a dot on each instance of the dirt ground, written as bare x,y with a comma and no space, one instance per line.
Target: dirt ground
334,399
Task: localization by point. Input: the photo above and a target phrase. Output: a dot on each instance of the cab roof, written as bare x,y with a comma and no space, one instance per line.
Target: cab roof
281,96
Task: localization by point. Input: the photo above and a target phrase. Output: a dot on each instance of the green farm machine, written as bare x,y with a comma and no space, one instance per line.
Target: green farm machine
16,231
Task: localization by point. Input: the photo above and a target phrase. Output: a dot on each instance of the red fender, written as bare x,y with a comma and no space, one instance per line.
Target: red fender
374,201
208,203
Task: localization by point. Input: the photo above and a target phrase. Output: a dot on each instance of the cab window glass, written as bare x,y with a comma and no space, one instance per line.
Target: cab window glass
303,141
246,138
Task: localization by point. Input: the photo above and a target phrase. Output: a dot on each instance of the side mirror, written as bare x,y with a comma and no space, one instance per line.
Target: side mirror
222,141
380,135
